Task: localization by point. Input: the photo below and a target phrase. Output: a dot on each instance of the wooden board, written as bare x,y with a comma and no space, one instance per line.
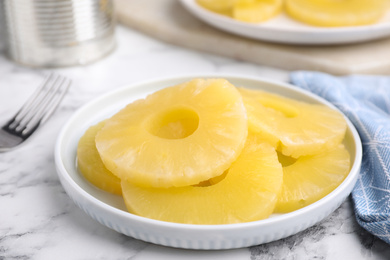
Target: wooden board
168,21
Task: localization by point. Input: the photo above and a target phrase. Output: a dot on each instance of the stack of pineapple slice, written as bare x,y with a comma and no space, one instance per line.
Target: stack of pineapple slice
91,165
327,13
206,152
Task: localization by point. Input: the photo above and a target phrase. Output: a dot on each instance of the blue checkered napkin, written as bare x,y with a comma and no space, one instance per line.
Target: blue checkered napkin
365,100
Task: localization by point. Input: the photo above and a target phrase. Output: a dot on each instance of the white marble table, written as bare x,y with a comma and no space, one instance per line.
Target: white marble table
39,221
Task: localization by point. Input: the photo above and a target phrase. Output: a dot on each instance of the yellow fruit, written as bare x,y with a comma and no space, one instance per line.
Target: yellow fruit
256,11
91,166
311,178
294,128
177,136
218,6
336,12
247,191
252,11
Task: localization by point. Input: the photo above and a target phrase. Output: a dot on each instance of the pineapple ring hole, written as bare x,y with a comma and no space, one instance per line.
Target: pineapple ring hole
285,160
287,110
175,123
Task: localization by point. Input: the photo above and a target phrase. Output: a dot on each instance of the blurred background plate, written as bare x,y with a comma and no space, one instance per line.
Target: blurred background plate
283,29
169,21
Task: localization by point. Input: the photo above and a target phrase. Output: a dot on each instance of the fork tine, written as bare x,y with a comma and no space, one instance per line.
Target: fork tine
50,104
56,101
47,93
36,110
28,104
47,104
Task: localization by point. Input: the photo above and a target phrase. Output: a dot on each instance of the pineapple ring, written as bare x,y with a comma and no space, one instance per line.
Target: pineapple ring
218,6
248,192
91,166
256,11
177,136
251,11
294,128
336,12
311,178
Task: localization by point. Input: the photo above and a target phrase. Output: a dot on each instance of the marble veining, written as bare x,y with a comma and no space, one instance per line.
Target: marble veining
39,221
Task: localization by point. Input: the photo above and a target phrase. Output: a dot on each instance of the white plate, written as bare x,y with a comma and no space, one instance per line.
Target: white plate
110,210
282,29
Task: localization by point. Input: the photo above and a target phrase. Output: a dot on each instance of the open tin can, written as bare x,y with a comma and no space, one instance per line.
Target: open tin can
57,33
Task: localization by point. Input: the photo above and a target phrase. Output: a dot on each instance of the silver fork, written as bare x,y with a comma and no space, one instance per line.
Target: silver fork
34,112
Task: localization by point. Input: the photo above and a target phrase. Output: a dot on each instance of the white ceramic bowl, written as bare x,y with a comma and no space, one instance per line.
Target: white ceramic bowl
110,210
283,29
